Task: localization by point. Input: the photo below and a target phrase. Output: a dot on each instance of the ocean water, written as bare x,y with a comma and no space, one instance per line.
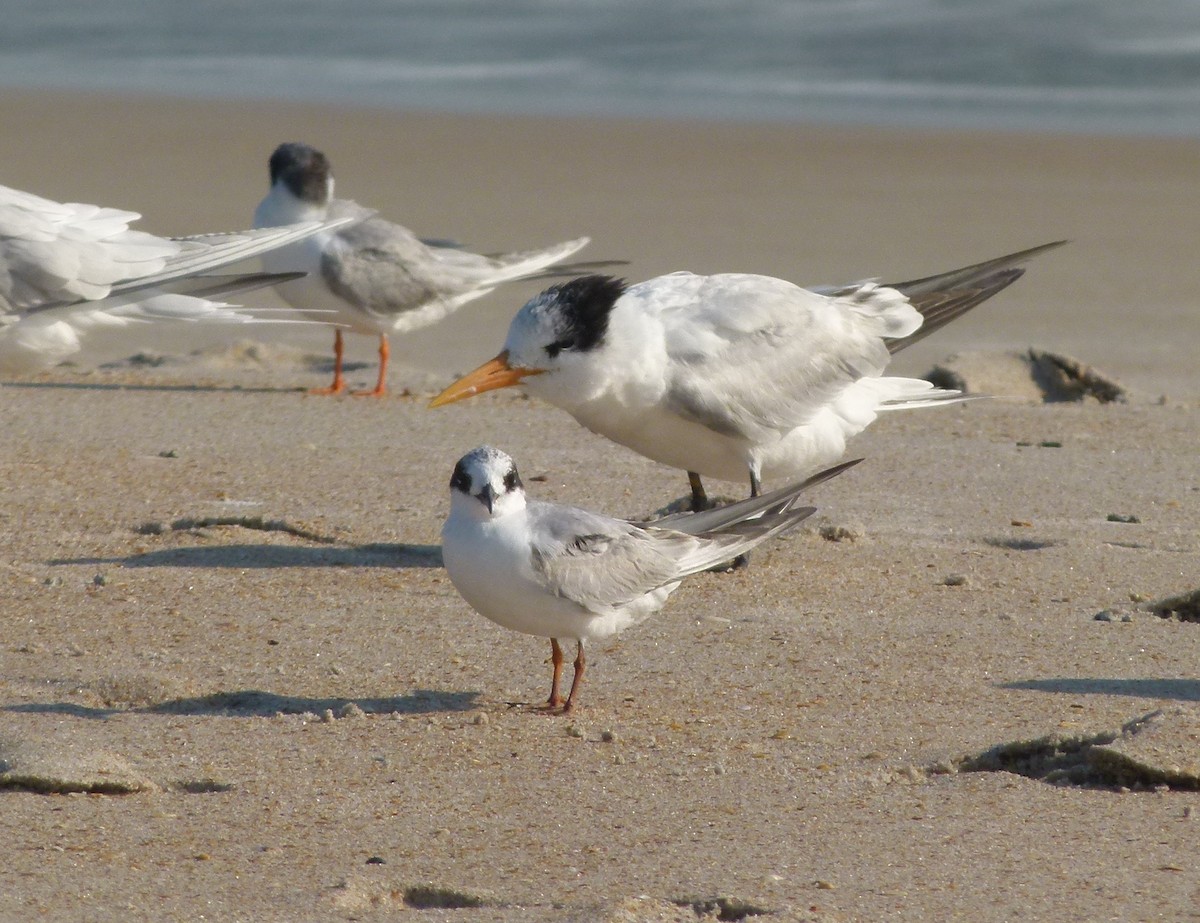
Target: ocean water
1110,66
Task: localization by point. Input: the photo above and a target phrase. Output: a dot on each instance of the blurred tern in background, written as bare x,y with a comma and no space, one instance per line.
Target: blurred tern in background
378,276
69,268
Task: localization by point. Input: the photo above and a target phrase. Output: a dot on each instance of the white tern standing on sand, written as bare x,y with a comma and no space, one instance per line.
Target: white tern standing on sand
378,276
730,375
563,572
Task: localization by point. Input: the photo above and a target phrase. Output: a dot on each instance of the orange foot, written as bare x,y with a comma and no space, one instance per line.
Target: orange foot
338,387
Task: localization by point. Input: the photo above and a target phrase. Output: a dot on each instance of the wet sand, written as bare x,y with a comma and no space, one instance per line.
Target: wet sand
223,597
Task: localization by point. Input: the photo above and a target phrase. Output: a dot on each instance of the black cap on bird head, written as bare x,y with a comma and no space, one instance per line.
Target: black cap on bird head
304,170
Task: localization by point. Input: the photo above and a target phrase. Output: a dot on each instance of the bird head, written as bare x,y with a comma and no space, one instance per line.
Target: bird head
485,483
563,326
304,171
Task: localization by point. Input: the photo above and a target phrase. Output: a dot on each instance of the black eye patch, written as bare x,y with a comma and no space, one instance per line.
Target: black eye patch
582,309
512,481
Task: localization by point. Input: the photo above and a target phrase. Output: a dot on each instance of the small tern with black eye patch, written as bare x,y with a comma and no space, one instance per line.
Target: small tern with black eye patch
562,572
69,270
378,276
731,375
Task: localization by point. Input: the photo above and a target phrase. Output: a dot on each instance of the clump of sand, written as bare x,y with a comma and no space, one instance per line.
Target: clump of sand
1031,374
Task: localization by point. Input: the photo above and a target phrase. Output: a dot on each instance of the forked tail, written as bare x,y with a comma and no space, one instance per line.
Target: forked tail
949,295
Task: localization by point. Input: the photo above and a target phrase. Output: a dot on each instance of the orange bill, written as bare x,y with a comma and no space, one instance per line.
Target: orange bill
494,374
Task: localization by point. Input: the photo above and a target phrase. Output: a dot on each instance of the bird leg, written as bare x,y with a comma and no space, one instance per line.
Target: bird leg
576,680
381,384
556,658
699,497
339,383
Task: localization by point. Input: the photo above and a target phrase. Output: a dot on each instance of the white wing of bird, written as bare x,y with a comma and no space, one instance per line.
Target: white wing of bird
68,268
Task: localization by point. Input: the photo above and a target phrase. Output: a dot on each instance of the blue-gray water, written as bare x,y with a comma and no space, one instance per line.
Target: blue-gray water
1123,66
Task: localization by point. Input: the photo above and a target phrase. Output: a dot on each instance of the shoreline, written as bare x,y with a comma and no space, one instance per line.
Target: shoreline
813,122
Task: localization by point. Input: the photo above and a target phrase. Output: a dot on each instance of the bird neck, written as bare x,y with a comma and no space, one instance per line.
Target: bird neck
281,207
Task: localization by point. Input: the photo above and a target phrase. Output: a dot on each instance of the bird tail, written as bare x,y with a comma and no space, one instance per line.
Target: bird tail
580,268
545,262
777,503
726,532
949,295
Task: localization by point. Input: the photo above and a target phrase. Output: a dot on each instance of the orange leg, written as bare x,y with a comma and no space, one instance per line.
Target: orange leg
381,384
339,383
576,680
556,658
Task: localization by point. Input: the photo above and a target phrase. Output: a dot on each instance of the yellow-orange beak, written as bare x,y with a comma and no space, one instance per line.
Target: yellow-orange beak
494,374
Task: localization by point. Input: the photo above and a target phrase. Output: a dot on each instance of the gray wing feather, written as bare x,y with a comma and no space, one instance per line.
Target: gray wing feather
205,252
381,268
601,563
385,270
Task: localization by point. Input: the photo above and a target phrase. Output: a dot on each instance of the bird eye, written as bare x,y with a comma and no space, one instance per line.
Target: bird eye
557,347
512,480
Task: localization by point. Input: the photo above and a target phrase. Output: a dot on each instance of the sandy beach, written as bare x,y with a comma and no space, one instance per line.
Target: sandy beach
233,660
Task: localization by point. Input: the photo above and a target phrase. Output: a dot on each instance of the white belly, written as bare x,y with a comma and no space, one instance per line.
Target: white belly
493,571
672,440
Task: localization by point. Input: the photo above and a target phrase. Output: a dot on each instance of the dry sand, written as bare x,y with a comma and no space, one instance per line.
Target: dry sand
224,597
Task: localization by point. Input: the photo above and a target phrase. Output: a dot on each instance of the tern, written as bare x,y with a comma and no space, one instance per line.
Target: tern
731,374
70,268
378,276
563,572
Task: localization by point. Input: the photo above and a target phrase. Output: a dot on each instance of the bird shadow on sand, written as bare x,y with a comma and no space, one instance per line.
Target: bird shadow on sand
255,703
1183,690
250,556
118,386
